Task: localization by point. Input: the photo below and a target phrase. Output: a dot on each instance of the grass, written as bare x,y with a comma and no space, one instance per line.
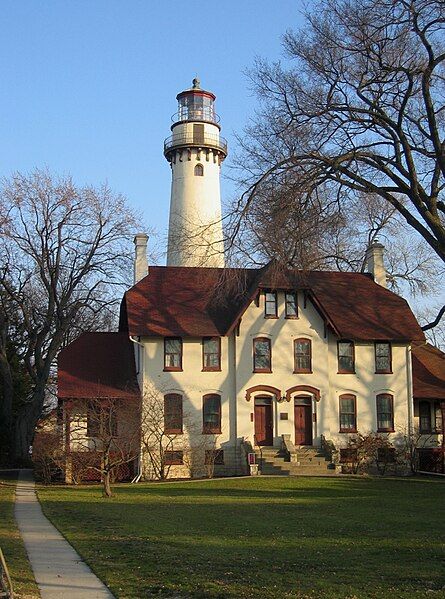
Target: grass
262,537
12,545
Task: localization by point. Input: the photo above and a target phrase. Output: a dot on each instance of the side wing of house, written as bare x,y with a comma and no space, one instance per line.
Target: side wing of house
429,406
99,398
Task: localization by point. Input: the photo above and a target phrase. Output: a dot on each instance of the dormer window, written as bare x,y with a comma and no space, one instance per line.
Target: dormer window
270,304
291,304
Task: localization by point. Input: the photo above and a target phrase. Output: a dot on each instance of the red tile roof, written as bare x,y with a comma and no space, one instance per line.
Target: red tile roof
188,302
180,301
98,365
428,372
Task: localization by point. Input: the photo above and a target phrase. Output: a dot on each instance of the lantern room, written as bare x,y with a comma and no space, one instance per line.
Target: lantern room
196,104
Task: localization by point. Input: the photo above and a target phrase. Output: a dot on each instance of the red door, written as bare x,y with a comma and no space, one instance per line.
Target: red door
263,423
303,425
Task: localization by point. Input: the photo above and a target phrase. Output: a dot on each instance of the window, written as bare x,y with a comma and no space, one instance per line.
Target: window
262,355
214,456
211,414
424,417
346,357
93,421
110,422
348,455
348,413
270,304
302,355
173,413
291,302
101,420
211,353
385,413
199,170
173,458
438,417
383,357
173,353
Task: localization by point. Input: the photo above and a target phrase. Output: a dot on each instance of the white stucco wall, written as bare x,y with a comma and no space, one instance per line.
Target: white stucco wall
237,376
195,226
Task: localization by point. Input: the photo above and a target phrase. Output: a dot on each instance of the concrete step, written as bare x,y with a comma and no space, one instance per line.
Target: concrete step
311,461
267,467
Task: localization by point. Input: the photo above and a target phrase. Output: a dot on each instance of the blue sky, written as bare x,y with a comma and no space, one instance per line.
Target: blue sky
88,86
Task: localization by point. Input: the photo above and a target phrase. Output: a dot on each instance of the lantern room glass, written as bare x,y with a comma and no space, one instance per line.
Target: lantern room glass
196,107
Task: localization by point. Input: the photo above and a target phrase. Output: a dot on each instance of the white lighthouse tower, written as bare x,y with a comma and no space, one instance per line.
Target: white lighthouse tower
195,151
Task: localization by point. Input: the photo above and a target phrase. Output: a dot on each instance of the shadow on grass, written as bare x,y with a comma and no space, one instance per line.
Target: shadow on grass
267,538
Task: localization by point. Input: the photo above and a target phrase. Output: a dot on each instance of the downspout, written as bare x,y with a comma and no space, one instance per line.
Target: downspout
409,370
136,341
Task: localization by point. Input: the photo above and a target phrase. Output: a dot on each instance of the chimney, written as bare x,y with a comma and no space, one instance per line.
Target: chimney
140,257
374,261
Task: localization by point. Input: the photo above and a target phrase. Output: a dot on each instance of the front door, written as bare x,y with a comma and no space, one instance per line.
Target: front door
263,421
303,421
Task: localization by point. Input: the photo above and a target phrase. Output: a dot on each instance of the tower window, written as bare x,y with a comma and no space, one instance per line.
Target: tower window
199,170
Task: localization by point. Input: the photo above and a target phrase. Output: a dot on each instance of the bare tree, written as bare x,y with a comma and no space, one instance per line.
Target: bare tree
105,430
435,334
212,454
64,257
171,435
370,449
358,110
162,428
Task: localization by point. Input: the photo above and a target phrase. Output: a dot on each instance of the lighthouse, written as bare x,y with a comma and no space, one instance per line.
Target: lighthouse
195,151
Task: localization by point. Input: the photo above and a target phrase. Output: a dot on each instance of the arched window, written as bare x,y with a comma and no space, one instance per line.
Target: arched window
348,413
385,413
302,355
211,414
199,170
262,355
173,413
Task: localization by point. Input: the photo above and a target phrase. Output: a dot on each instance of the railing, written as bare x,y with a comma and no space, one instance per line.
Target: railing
195,114
289,448
329,449
207,140
256,444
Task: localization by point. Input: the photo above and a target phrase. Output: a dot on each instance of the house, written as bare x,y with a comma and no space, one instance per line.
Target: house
252,357
228,360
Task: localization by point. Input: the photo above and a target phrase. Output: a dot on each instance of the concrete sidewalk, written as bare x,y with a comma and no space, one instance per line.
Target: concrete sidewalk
59,571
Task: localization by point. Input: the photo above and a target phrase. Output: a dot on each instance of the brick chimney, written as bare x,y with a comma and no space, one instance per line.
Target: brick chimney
140,257
374,262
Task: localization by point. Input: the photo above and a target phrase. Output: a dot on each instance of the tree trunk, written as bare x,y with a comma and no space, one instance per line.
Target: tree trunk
107,484
6,397
25,425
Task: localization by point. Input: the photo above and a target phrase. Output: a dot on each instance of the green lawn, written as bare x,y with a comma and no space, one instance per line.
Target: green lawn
260,537
12,545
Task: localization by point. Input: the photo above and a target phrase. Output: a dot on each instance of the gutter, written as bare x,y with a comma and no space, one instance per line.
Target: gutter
136,341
